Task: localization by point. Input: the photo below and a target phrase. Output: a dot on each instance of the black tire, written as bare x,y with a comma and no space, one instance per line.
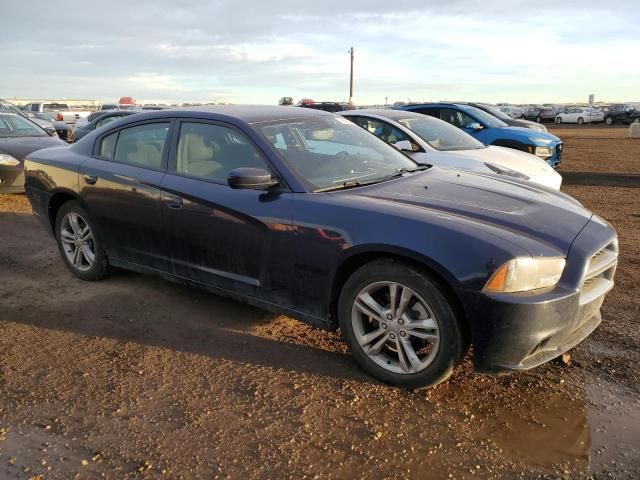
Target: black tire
100,267
452,344
580,120
558,120
608,121
539,119
636,120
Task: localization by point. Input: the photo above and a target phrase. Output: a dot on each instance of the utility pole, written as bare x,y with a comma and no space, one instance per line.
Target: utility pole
351,77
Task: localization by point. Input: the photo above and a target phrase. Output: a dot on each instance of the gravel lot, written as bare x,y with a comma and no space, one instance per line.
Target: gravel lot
134,377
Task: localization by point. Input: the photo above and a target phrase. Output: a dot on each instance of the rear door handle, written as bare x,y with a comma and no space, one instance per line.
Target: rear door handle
172,201
90,179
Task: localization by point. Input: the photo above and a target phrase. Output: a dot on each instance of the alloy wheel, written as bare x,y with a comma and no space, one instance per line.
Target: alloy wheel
395,327
77,241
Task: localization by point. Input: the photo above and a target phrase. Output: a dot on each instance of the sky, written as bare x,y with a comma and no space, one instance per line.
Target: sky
239,51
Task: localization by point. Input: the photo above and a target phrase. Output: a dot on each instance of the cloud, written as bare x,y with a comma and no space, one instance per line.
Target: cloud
256,52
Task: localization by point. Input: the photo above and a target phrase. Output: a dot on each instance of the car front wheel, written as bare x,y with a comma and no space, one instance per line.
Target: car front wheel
399,325
79,244
558,120
608,120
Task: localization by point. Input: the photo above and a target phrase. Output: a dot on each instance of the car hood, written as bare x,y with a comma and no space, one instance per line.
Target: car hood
517,160
20,147
543,138
521,207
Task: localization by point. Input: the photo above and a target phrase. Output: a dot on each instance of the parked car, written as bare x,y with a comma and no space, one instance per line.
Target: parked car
512,111
100,120
326,106
493,131
303,213
430,141
61,110
541,114
43,120
512,122
62,129
580,115
19,136
621,113
46,125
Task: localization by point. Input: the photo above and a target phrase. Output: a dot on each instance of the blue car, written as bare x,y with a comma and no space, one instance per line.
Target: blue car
306,214
493,131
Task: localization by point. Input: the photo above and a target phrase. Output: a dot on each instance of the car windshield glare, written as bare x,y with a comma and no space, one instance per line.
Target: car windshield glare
332,152
486,118
441,135
15,126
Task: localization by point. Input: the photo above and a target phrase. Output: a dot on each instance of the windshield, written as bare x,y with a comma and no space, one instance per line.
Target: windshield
441,135
332,152
485,117
496,113
15,126
9,107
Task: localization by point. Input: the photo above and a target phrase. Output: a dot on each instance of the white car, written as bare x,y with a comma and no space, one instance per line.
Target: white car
428,140
512,111
580,115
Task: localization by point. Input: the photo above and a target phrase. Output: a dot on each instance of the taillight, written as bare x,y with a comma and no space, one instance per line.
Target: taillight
59,117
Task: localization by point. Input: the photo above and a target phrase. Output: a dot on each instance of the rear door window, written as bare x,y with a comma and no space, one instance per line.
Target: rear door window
142,145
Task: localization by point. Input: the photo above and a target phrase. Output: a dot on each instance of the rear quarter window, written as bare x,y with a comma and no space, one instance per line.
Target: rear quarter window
107,146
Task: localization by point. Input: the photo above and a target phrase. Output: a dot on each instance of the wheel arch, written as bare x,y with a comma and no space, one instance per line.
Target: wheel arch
57,200
434,270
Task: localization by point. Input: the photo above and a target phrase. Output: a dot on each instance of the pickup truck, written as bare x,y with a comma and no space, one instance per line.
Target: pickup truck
61,110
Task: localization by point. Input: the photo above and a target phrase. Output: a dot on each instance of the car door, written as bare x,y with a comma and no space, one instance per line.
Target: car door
390,134
464,121
120,185
235,239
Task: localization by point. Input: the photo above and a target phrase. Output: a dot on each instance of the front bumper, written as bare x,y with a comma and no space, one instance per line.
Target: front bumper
11,179
522,331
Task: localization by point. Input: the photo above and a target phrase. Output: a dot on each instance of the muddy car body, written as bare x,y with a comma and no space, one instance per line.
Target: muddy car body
303,213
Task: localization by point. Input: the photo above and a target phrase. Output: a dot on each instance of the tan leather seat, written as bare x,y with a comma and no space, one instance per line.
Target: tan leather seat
195,157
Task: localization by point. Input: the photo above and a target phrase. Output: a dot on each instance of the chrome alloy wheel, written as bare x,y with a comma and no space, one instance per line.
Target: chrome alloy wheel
77,241
395,327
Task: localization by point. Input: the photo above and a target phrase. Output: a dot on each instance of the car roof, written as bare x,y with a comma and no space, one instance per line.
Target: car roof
246,113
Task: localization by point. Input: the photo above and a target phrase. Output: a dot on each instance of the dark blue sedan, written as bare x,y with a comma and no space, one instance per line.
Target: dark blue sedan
303,213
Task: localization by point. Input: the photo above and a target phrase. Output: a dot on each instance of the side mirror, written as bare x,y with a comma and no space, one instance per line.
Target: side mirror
250,178
403,145
474,126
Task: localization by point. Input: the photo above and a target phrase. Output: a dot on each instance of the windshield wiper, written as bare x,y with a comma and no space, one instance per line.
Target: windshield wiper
402,171
357,183
341,186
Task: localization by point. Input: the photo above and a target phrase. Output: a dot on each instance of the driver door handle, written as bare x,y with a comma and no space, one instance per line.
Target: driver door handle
90,179
172,201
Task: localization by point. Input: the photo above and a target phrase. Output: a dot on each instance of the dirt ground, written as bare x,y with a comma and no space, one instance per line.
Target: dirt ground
134,377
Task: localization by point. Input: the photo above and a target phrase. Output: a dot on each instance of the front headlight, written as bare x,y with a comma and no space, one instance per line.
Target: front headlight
543,152
526,273
8,160
506,171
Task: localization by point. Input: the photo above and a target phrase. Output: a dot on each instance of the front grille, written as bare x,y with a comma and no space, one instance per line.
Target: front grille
598,277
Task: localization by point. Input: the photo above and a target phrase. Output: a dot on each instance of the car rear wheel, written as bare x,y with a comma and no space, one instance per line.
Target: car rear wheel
636,120
580,120
79,245
539,119
399,325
